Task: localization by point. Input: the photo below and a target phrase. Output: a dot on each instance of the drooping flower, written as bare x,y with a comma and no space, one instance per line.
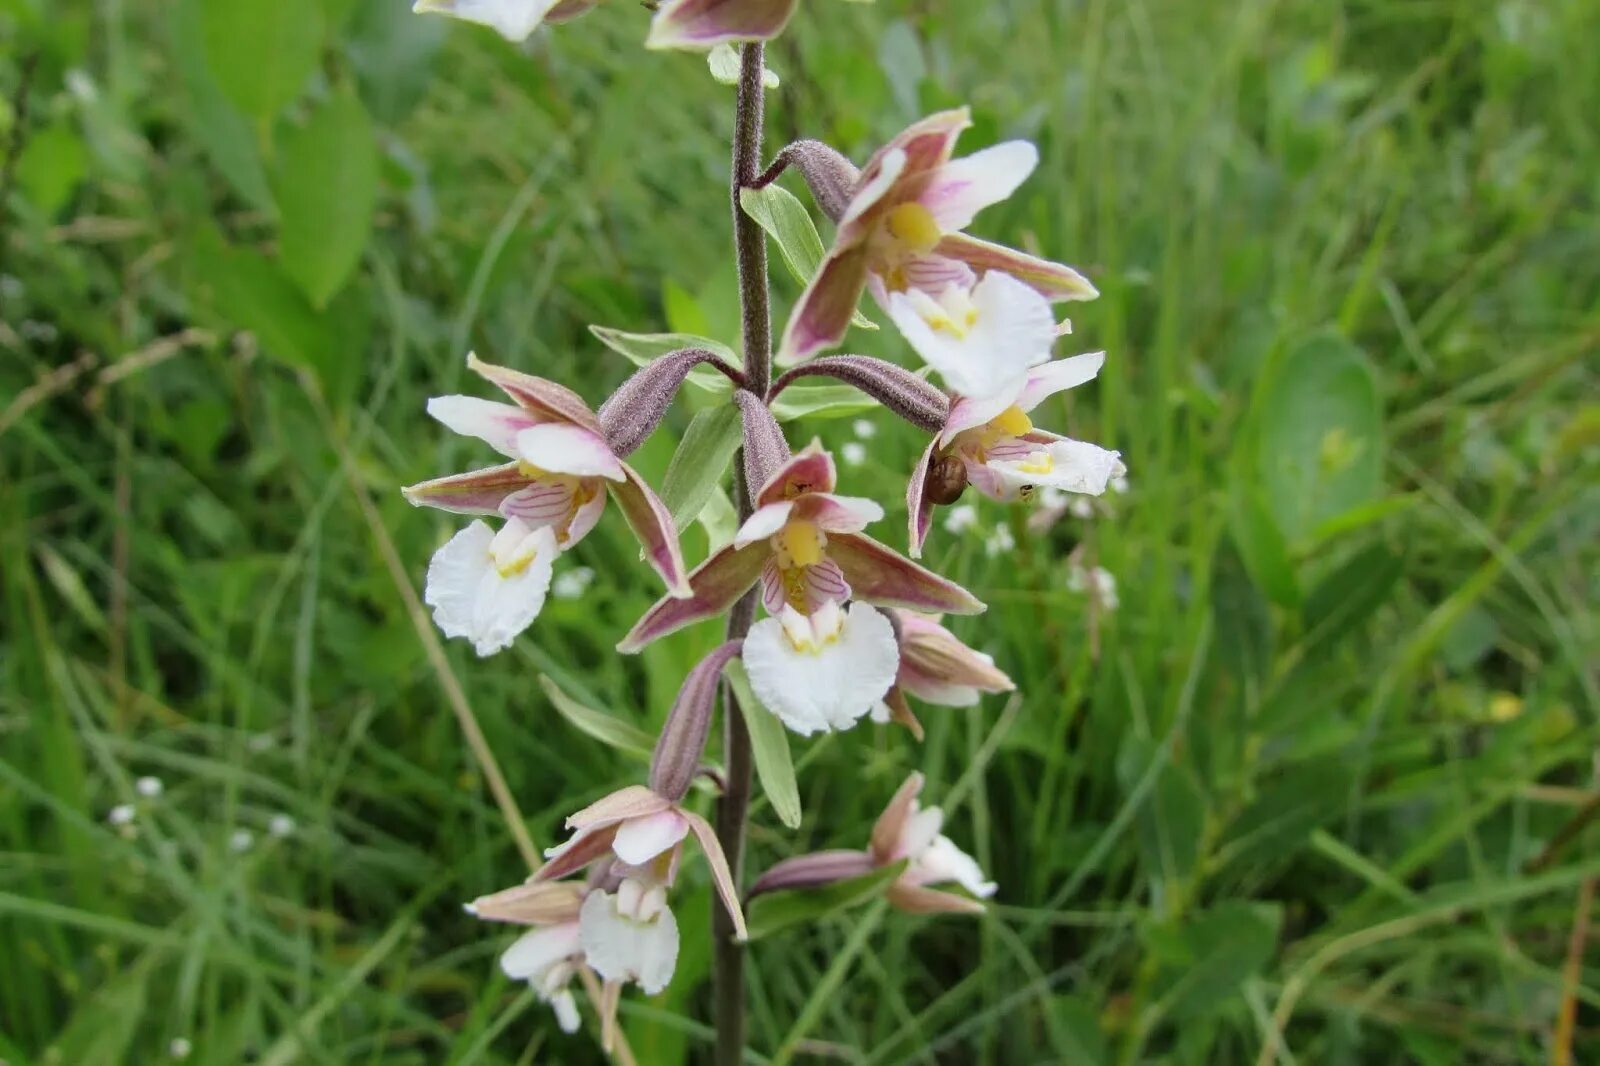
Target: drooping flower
823,672
701,24
561,473
551,951
908,831
936,667
903,833
805,546
901,231
982,340
645,830
487,586
994,446
515,20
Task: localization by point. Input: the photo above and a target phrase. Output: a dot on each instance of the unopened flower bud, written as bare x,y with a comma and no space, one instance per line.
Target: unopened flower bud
765,449
683,738
632,413
815,870
907,395
829,175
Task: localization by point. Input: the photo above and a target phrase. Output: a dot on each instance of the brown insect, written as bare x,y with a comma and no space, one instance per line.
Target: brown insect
946,480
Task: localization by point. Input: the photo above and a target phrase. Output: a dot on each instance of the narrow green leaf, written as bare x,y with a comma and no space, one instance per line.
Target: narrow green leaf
700,461
768,913
1349,595
789,224
820,401
1208,960
261,51
327,189
1261,545
719,519
219,128
641,349
607,729
770,745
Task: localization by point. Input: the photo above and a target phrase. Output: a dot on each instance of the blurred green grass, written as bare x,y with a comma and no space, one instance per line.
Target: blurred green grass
1329,756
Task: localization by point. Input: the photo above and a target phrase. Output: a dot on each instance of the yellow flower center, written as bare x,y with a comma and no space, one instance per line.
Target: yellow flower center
1012,422
1039,462
799,543
913,226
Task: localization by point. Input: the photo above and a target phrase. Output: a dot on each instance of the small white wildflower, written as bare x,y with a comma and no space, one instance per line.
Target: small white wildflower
180,1048
241,841
1119,483
148,787
1098,582
1054,499
961,518
864,428
81,85
281,825
854,453
122,814
572,584
11,287
43,332
1081,507
259,743
1000,541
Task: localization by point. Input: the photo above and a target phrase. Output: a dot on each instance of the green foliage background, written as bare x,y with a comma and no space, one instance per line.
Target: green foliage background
1330,756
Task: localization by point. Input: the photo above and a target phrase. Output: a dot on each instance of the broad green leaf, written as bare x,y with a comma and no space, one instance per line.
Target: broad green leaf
770,744
789,224
1208,959
820,401
52,163
327,189
219,127
641,349
772,911
700,461
1261,546
607,729
1350,594
392,51
261,51
1321,442
719,519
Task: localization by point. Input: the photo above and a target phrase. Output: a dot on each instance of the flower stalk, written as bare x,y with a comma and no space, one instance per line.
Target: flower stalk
733,808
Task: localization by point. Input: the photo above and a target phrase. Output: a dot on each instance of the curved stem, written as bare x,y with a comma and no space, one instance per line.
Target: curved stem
733,808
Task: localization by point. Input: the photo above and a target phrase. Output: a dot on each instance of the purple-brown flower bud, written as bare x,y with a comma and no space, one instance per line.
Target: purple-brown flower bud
683,738
765,449
828,174
632,413
816,870
898,389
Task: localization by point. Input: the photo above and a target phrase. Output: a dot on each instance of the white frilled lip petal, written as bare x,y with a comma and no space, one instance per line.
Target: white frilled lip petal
496,424
514,20
535,951
766,521
1058,376
1076,466
639,840
874,189
963,187
968,413
563,448
942,862
830,687
472,599
621,949
1013,332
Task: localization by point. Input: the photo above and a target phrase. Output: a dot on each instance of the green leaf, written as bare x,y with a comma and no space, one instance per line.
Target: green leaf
1321,443
218,127
1209,959
772,911
1348,596
327,190
393,51
700,461
1261,546
820,401
770,745
719,519
607,729
789,224
50,167
261,51
641,349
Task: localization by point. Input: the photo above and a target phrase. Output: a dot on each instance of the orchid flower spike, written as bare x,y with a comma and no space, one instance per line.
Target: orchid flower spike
644,831
991,444
907,831
703,24
551,952
489,586
805,546
515,20
902,233
936,667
